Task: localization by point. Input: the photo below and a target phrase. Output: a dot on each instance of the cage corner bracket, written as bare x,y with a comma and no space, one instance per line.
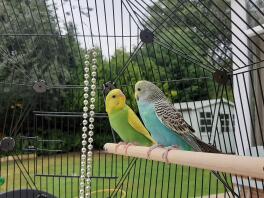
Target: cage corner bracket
146,36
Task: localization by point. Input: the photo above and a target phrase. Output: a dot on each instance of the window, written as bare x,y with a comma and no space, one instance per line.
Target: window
205,122
225,122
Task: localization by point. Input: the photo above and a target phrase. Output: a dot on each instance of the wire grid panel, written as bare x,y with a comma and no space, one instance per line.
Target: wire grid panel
45,42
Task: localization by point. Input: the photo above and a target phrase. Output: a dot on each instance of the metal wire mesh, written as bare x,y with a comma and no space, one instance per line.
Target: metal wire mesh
207,56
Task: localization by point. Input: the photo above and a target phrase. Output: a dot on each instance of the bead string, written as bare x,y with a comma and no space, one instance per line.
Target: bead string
86,156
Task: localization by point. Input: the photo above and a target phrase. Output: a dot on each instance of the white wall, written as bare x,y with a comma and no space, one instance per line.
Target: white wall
241,83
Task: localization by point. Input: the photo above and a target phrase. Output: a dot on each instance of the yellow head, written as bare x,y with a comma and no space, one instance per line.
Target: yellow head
115,100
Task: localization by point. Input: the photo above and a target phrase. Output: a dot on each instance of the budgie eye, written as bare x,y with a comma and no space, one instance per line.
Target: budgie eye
139,89
113,96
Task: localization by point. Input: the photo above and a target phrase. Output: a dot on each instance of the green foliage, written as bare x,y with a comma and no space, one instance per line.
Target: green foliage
192,33
194,27
35,56
27,57
101,139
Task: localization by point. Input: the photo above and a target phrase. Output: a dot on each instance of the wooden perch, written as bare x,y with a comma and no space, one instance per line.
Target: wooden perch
236,165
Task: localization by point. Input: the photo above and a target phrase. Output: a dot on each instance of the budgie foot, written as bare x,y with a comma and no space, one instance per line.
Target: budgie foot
154,147
119,144
128,145
169,148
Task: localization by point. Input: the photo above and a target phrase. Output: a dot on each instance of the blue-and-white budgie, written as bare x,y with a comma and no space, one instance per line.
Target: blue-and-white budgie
166,124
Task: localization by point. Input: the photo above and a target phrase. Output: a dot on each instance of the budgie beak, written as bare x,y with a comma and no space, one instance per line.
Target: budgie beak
136,96
122,95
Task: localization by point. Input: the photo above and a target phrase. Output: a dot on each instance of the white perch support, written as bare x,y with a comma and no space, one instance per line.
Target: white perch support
234,164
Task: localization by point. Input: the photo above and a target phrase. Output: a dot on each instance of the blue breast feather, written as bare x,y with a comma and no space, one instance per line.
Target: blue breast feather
162,134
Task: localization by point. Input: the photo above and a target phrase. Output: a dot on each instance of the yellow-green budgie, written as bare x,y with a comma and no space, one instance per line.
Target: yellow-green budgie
124,120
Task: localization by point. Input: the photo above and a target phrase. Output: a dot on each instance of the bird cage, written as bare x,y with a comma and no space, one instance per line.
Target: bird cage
206,56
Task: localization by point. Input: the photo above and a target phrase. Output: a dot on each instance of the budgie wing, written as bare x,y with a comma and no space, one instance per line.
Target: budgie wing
171,118
135,122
